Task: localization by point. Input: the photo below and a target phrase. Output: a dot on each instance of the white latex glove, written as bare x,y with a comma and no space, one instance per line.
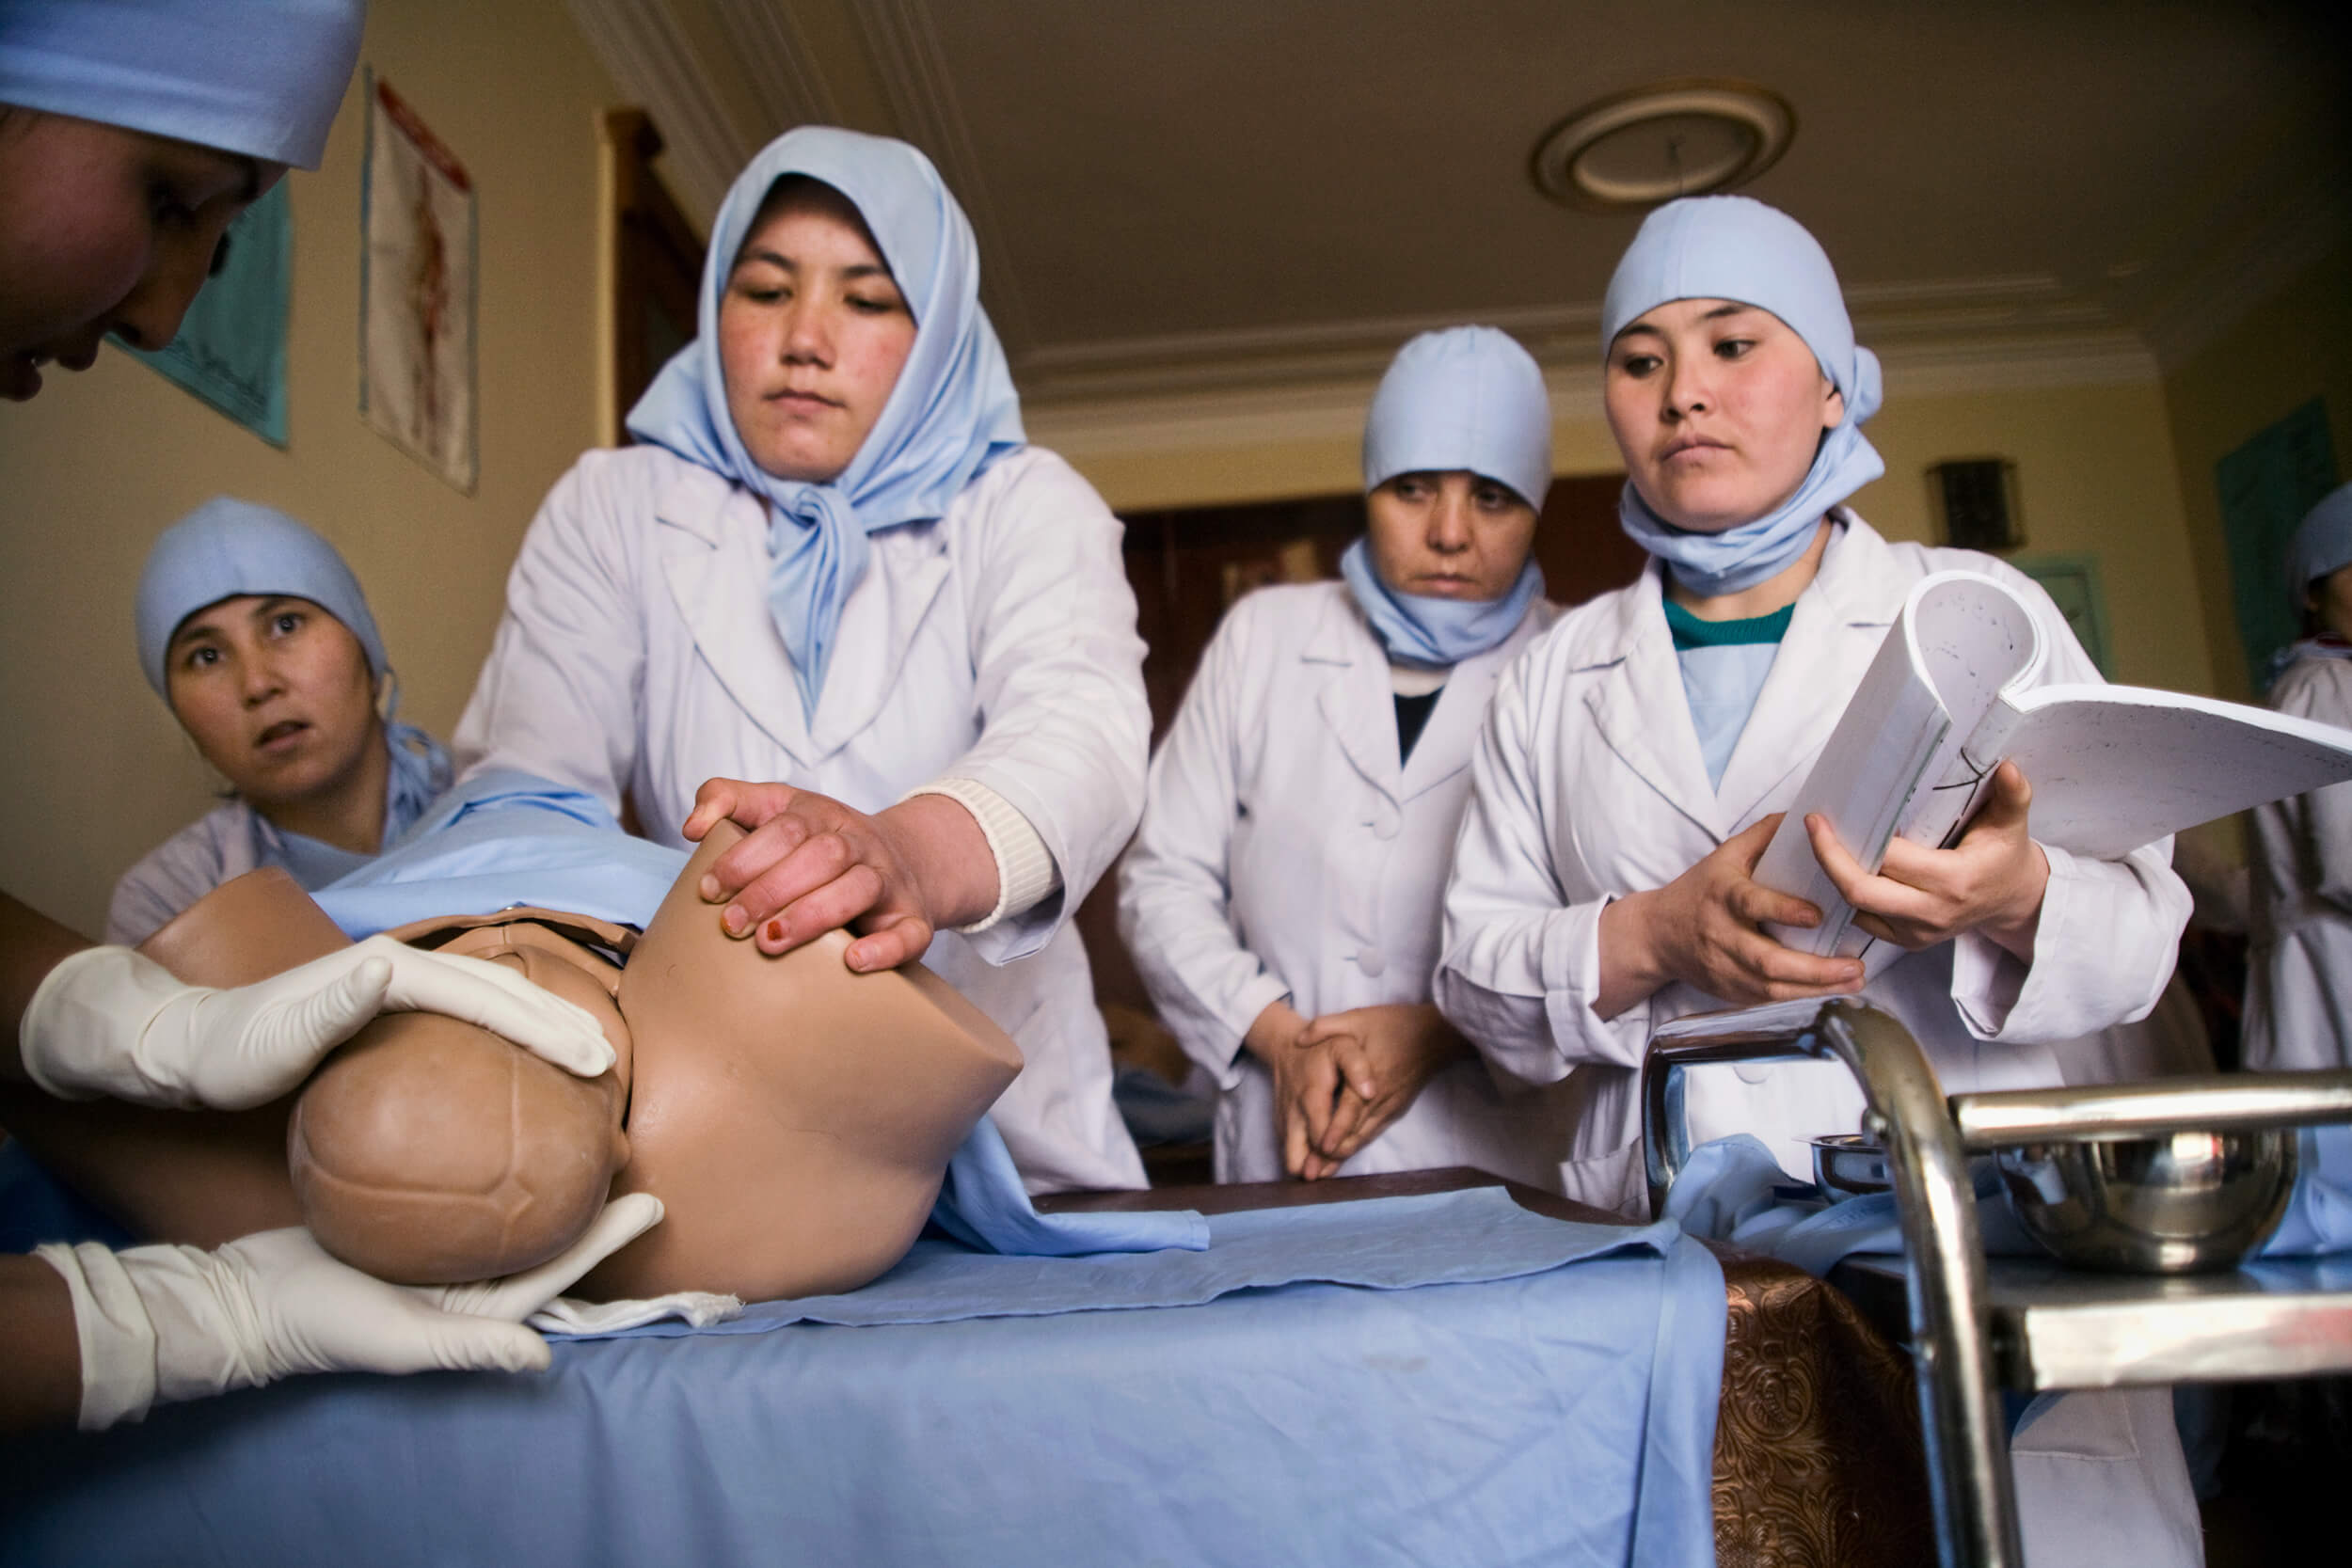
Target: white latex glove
108,1022
159,1323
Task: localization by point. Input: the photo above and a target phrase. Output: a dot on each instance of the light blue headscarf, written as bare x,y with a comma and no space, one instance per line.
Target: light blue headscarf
260,77
227,548
1469,398
1735,249
951,415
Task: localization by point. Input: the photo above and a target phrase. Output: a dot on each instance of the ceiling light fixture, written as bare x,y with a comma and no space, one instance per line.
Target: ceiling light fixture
1650,144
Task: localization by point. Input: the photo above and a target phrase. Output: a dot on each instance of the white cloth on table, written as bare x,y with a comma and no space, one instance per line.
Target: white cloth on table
1589,784
1285,853
2298,973
638,658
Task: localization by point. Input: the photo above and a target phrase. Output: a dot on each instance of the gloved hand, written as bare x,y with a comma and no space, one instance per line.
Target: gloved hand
108,1022
159,1323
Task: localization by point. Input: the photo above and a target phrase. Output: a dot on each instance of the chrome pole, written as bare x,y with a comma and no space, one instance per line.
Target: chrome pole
1960,1410
2213,1103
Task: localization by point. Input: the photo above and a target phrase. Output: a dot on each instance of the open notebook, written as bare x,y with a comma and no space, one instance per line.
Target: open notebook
1951,695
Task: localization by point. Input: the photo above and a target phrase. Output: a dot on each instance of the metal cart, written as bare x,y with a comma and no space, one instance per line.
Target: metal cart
1975,1326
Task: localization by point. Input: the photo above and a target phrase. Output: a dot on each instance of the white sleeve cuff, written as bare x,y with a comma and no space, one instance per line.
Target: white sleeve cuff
1026,873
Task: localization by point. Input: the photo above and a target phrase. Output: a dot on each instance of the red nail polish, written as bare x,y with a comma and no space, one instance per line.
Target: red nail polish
775,930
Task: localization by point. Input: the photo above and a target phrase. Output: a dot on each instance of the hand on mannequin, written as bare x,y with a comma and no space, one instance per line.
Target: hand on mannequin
1991,881
1386,1056
1306,1086
108,1022
160,1324
1701,928
809,864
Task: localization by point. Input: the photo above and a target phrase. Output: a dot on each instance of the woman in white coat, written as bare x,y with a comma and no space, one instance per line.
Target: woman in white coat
1281,897
2298,976
1635,761
835,564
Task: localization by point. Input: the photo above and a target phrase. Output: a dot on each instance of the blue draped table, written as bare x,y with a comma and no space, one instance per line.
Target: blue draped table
1558,1415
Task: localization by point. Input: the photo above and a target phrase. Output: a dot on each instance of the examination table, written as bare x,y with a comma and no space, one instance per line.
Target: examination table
1544,1395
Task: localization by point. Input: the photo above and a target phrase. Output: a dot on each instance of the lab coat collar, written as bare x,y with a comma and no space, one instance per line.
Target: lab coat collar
1639,707
1353,697
1358,703
1452,733
908,569
1644,715
1838,623
715,555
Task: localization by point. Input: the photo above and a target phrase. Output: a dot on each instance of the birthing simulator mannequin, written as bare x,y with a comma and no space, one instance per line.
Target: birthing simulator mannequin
795,1118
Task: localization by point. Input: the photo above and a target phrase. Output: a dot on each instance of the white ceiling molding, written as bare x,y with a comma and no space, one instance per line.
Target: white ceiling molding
920,89
1966,334
2225,286
1330,408
2115,357
641,44
781,67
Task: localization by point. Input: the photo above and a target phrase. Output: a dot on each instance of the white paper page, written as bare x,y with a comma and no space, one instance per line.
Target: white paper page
1959,638
1879,750
1765,1018
2115,766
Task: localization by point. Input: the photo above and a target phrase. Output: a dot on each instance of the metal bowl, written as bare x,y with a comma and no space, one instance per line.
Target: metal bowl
2175,1203
1849,1164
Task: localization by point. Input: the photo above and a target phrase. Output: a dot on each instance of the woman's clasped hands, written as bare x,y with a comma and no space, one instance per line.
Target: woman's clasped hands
808,865
1343,1079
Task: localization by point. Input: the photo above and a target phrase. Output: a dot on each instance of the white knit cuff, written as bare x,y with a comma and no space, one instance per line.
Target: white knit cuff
1026,871
112,1331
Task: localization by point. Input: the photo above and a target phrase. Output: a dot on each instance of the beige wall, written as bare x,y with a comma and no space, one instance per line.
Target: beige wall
2095,475
95,772
2297,345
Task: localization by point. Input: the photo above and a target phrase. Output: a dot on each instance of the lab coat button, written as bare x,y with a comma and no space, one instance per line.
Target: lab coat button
1369,961
1384,827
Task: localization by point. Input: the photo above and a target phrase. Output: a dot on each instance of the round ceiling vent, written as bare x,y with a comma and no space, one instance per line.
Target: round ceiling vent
1653,144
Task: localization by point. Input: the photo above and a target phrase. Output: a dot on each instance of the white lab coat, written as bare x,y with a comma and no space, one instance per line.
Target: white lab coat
1588,783
2298,972
1284,853
637,657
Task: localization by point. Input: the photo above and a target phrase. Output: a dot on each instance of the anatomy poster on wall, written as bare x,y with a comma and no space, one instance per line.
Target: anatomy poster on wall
416,290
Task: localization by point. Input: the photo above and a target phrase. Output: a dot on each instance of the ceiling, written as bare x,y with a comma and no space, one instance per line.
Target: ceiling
1193,204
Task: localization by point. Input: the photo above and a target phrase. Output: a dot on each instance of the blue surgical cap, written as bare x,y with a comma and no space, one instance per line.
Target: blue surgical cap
260,77
1737,248
1731,248
227,548
2323,545
1468,397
